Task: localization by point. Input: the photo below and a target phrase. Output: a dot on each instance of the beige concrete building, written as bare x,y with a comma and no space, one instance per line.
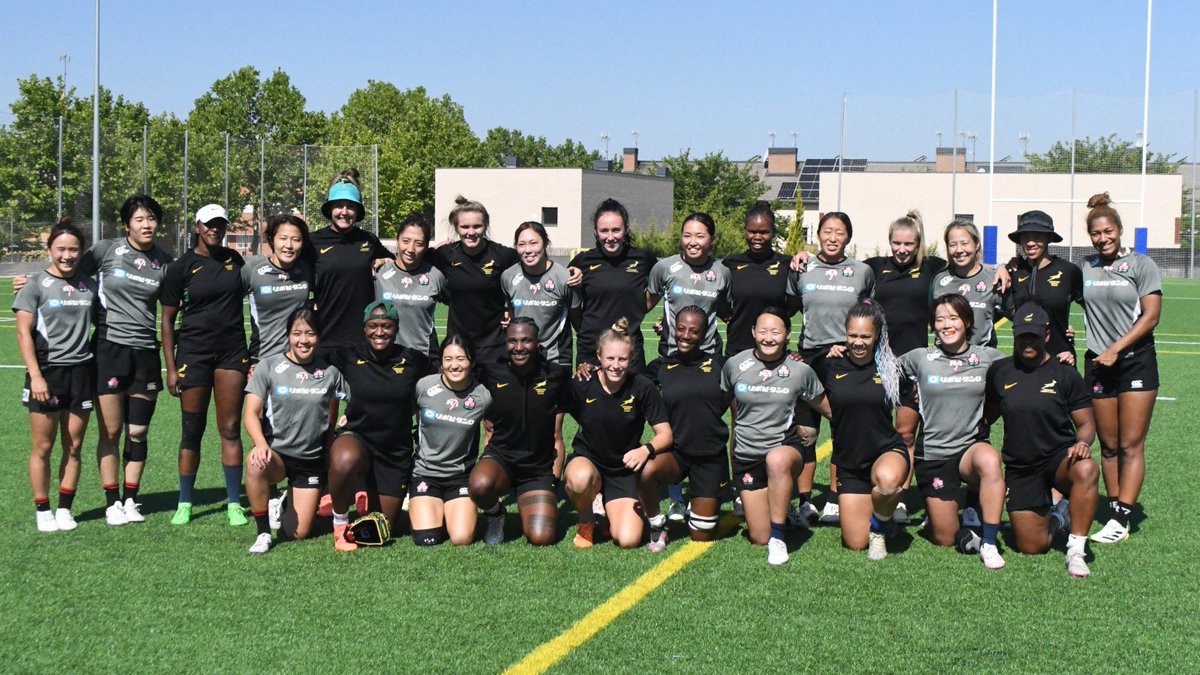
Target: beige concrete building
561,199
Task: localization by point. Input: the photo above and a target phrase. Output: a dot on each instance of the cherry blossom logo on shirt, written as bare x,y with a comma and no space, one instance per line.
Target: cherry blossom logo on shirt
548,284
783,371
710,276
938,483
113,383
423,280
469,403
980,287
1123,267
154,264
847,271
422,487
747,479
973,360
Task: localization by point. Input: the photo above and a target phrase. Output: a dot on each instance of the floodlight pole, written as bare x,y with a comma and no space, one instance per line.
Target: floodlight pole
60,135
1195,131
1146,116
96,134
954,162
992,122
304,188
226,169
1071,221
841,150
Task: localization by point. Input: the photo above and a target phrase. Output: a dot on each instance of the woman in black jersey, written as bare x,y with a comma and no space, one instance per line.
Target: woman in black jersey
521,456
758,278
903,283
612,409
206,356
375,444
344,257
690,381
612,278
1048,434
472,267
872,461
1050,281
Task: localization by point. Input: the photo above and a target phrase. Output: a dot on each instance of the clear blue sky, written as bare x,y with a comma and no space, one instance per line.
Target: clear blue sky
701,75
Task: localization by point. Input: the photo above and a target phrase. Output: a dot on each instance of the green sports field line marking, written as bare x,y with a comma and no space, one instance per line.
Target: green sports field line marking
544,657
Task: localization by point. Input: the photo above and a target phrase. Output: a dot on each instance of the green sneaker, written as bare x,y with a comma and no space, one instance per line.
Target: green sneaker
183,514
236,515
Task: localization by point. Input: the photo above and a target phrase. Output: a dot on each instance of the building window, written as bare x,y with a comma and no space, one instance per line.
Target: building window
965,216
549,216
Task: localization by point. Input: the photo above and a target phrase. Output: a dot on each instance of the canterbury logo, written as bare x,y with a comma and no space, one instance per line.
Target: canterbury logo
325,250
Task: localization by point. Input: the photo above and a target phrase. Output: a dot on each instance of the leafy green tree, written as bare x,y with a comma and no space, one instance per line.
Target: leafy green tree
717,186
536,151
795,230
1107,154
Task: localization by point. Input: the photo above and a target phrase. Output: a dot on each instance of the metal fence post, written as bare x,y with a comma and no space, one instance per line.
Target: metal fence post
376,146
226,169
1195,127
304,186
179,245
145,173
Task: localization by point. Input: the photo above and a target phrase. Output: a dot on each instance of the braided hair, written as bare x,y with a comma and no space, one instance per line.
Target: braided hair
885,360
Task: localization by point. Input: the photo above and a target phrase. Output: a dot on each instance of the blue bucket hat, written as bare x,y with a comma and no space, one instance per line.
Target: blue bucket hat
343,191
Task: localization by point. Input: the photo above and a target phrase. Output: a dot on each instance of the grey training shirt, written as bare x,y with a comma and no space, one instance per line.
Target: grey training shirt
547,300
274,294
980,292
296,402
827,292
766,396
449,427
1112,292
951,390
63,310
415,297
129,287
681,284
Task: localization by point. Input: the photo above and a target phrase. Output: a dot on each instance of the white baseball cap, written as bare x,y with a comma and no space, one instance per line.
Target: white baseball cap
211,212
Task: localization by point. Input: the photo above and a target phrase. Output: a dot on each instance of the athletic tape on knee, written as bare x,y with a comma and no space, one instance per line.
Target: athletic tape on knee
193,430
135,451
701,522
139,411
429,537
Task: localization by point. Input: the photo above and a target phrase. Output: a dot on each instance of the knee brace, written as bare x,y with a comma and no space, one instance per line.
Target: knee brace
138,411
431,537
193,430
135,451
701,523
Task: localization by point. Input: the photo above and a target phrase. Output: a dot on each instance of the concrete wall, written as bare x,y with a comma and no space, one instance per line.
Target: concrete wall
650,200
874,200
512,196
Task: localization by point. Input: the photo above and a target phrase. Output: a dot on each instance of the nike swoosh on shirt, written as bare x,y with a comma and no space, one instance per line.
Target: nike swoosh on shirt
672,366
1009,386
840,376
590,400
455,264
742,267
360,362
501,385
593,268
197,270
1021,280
327,249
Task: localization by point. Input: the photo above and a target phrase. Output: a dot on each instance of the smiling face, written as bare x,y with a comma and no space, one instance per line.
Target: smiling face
695,242
531,248
410,246
343,214
1030,348
380,333
758,232
614,358
861,338
521,342
64,254
962,247
1035,245
690,329
287,243
833,237
141,227
904,245
610,233
456,365
1106,236
470,230
211,233
949,327
302,340
771,336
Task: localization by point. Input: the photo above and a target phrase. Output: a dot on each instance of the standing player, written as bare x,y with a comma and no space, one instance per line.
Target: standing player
1048,434
413,286
766,388
537,289
1046,279
277,285
758,278
613,285
452,404
291,407
344,257
827,289
904,281
952,446
612,409
375,443
472,266
970,278
54,311
690,381
690,278
1122,301
522,453
207,358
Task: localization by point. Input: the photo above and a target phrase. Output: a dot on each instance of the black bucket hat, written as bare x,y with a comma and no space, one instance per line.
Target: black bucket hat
1035,222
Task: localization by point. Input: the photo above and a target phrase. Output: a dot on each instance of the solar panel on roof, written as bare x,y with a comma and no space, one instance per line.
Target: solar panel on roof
787,190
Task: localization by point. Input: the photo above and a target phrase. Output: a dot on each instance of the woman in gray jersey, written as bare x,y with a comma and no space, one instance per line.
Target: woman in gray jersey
952,446
537,288
451,406
54,313
766,388
278,284
291,407
970,278
413,286
1122,296
691,277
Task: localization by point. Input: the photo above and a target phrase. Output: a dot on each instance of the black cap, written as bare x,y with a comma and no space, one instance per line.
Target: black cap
1030,319
1034,222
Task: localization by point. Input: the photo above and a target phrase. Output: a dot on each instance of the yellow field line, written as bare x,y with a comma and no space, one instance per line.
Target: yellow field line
544,657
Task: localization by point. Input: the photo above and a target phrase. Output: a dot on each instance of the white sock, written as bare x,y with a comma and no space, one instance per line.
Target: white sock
1077,541
658,521
341,518
882,519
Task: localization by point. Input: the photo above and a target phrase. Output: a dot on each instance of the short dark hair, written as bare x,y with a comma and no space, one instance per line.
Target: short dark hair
276,222
416,220
775,311
840,216
460,341
702,218
306,314
64,226
761,209
960,306
136,202
611,205
536,227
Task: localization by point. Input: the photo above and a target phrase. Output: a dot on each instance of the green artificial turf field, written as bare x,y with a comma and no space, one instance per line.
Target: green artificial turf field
154,597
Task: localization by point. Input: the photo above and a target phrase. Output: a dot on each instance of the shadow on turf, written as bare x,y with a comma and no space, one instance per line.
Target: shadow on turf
207,501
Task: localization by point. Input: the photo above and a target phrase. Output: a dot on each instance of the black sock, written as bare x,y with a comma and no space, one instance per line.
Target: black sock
65,498
1112,507
42,504
777,531
972,500
1123,514
131,490
805,497
111,494
262,522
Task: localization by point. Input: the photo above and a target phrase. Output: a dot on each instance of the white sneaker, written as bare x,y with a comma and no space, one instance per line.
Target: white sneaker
133,512
677,512
809,512
1062,513
970,517
795,518
876,546
115,515
990,555
900,515
1111,533
777,553
64,520
261,544
494,534
275,511
598,505
1076,566
832,515
46,522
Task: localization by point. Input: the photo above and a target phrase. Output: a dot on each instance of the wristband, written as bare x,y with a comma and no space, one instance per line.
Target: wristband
650,449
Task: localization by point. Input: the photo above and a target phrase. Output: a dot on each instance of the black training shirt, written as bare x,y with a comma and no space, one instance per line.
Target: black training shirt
209,291
756,282
862,426
611,424
1036,404
904,294
612,288
523,411
691,389
1054,287
477,301
345,283
382,394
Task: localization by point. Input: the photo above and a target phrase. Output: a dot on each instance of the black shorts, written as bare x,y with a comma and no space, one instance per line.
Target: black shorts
707,476
1029,487
445,489
122,369
71,388
195,367
750,473
524,479
389,472
939,477
1133,371
305,474
857,480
